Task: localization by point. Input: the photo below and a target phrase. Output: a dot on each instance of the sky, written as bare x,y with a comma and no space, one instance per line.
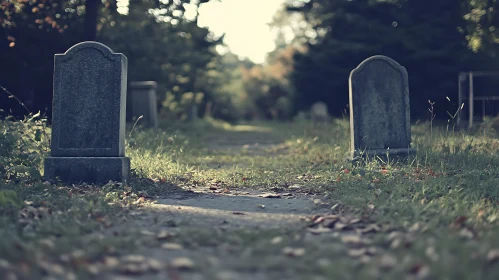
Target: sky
244,23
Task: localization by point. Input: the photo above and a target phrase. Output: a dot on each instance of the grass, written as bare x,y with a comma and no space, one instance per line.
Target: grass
437,213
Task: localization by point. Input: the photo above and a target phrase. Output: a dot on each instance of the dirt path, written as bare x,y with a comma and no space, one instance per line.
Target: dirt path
210,230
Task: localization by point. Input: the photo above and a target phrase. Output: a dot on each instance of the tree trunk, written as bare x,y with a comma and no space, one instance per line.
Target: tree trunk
90,25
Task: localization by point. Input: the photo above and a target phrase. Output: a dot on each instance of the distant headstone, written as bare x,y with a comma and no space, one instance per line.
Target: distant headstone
318,112
143,102
379,109
88,116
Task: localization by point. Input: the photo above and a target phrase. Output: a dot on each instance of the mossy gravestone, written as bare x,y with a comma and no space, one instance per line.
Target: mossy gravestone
88,116
379,110
143,102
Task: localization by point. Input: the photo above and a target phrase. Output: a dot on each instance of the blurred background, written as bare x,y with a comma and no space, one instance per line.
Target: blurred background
254,59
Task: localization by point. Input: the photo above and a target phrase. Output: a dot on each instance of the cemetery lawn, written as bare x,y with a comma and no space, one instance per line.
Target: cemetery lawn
211,200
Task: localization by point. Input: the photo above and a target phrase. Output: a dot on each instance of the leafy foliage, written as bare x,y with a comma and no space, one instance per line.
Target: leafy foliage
426,37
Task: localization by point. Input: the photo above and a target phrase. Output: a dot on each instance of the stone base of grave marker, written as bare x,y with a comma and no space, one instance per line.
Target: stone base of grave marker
142,102
382,154
87,169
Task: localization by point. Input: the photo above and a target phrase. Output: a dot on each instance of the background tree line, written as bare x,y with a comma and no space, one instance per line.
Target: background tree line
434,40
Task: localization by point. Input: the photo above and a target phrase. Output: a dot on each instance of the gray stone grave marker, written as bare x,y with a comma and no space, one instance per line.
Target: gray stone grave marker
319,113
379,110
143,102
88,116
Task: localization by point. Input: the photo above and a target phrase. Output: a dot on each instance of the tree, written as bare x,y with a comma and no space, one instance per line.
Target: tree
422,35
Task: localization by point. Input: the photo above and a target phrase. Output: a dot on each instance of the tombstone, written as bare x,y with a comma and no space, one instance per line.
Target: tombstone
143,102
318,113
379,110
88,116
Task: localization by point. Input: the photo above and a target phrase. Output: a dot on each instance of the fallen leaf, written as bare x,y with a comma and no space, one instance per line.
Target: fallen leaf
354,221
111,262
146,232
415,227
319,230
172,246
270,195
356,253
353,239
133,259
419,270
162,235
432,254
466,233
293,252
182,263
276,240
493,255
370,228
387,261
340,226
155,265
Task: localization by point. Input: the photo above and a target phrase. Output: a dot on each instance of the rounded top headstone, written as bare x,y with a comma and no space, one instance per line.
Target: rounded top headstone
105,50
386,59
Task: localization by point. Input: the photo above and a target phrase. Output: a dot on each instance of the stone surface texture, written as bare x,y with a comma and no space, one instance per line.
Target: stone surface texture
88,118
143,102
379,108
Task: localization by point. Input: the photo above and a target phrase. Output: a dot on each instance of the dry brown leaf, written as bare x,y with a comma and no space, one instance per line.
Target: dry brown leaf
340,226
162,235
4,264
396,243
371,206
372,251
493,255
354,221
319,230
111,262
415,227
93,269
140,200
387,261
182,263
466,233
317,220
420,271
293,252
172,246
356,253
155,265
370,228
355,240
133,258
393,235
147,232
432,254
330,222
133,269
276,240
270,195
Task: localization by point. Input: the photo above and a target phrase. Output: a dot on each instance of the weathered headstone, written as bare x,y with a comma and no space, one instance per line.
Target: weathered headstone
318,112
379,109
88,116
143,102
